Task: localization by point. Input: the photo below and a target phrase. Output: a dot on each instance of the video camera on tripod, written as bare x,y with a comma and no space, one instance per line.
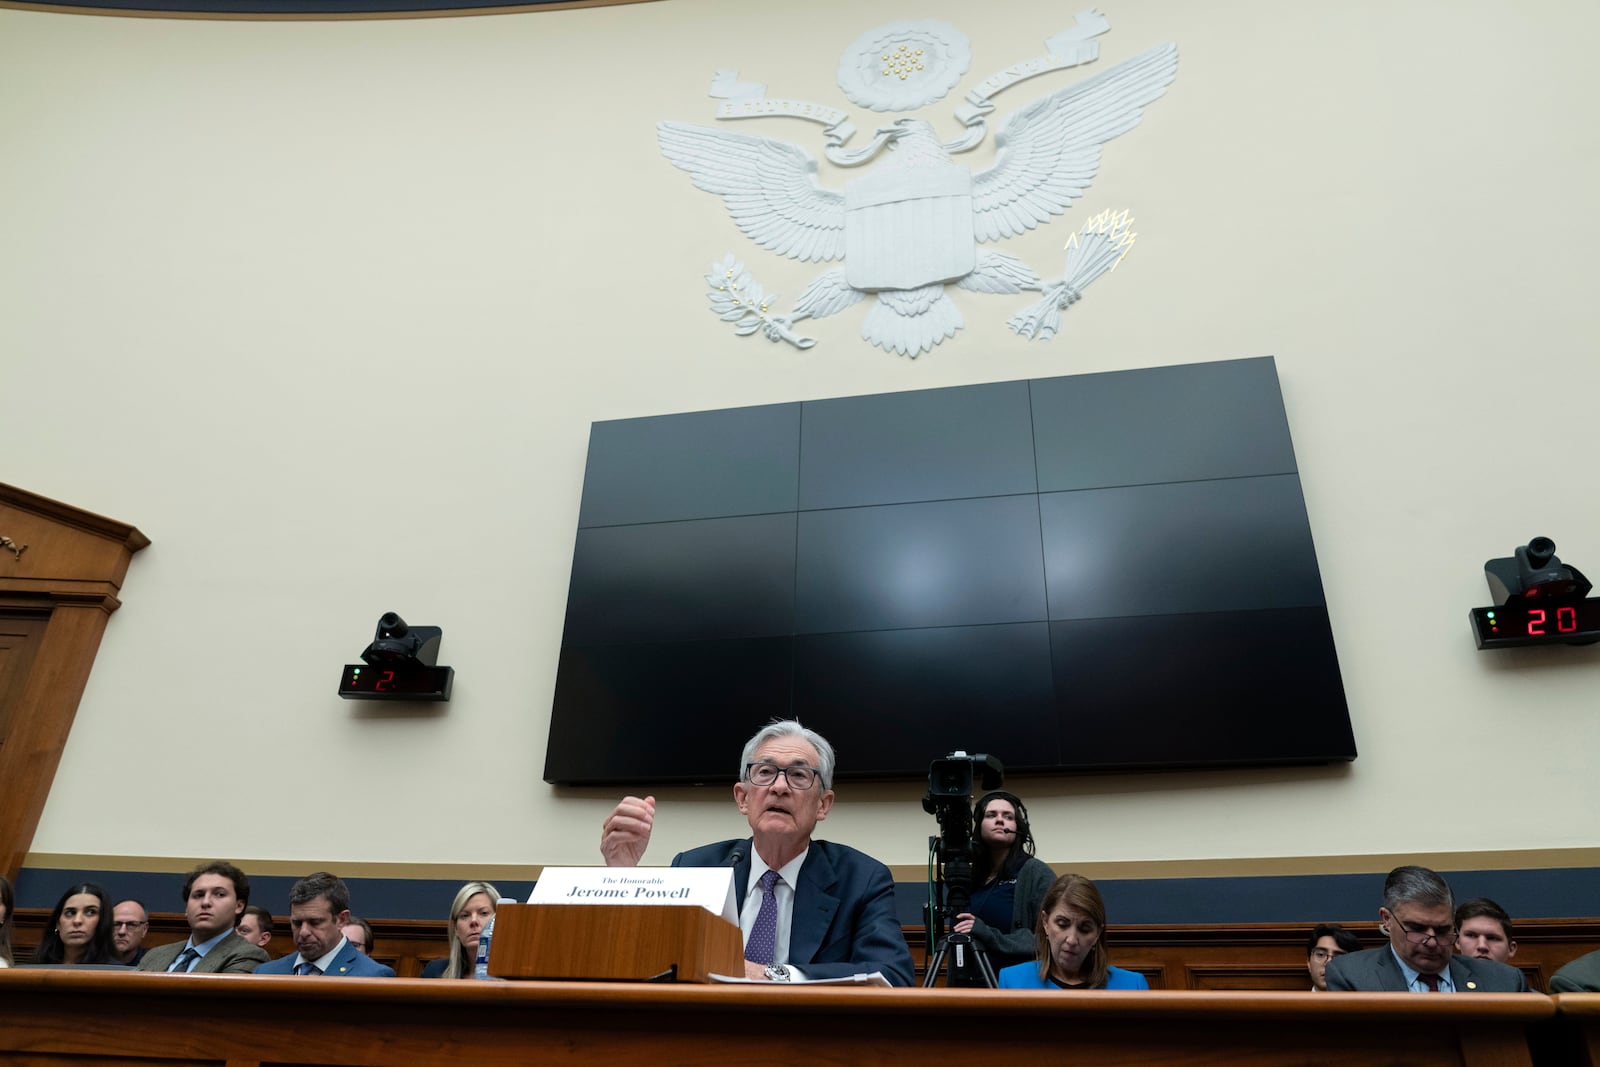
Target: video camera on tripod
949,801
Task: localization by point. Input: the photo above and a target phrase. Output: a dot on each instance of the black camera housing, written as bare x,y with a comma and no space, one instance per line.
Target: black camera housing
1534,572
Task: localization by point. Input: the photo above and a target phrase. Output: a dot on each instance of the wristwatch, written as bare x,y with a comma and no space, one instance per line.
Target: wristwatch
777,972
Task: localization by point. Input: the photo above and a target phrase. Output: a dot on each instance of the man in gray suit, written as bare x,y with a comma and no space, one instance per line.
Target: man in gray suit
213,897
1418,917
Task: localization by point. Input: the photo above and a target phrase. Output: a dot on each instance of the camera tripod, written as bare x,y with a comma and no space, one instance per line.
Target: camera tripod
950,894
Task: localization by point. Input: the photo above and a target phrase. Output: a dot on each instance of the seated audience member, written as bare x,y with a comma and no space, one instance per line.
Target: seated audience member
1483,929
1008,883
79,930
214,896
808,909
8,901
255,925
319,907
1328,940
1071,944
359,933
1582,975
1418,917
129,923
470,912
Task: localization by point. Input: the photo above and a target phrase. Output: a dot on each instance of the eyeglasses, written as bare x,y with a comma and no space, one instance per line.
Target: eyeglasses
1320,954
1418,933
764,774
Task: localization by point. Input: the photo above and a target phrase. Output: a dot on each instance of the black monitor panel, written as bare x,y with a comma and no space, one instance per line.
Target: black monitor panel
1084,573
897,699
678,581
950,563
1164,424
741,461
1241,543
664,712
932,444
1228,688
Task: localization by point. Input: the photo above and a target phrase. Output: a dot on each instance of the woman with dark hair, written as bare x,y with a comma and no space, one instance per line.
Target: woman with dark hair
79,929
1071,944
8,904
1008,883
470,912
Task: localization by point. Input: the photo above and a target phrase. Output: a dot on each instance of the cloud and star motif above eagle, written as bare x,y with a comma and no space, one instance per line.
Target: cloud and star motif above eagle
916,220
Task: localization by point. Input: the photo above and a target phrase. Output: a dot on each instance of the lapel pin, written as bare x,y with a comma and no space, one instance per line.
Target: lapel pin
1472,985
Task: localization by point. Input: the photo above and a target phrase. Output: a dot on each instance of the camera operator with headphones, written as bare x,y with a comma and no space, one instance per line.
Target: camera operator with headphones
1008,882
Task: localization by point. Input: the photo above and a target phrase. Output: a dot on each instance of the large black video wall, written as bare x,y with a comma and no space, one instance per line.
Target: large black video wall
1092,572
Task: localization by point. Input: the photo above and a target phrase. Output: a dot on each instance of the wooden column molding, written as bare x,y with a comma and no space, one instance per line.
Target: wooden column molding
59,582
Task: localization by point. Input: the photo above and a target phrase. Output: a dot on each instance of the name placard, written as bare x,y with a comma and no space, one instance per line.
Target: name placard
708,887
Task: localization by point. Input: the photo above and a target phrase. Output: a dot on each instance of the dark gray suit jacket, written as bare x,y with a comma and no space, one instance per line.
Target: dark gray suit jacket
232,955
844,920
1582,975
1374,970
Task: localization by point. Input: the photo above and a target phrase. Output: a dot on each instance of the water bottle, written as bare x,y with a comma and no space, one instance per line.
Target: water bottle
480,967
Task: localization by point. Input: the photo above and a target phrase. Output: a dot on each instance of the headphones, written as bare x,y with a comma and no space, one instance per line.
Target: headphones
1010,798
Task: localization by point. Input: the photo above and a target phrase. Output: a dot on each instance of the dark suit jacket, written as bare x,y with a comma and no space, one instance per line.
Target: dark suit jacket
351,962
232,955
1582,975
844,919
1374,970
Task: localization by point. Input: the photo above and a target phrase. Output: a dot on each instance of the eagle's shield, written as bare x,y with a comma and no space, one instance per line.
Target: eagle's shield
906,227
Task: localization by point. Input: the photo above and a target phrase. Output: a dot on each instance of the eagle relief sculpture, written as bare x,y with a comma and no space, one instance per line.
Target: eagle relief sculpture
914,222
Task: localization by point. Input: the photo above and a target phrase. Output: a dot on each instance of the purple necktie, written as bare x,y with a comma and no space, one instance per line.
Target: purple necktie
1429,980
763,943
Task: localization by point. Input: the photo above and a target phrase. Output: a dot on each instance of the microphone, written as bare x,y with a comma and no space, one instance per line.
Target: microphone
735,858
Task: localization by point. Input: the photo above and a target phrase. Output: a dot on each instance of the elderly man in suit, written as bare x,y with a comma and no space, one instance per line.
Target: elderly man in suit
1418,917
319,908
213,896
809,909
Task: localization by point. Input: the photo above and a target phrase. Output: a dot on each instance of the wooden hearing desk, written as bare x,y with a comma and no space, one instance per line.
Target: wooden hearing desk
1581,1014
50,1017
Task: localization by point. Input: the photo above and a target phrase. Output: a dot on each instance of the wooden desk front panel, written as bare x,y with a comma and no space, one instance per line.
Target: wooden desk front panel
58,1017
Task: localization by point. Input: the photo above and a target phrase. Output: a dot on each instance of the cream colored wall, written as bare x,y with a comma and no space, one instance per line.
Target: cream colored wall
326,310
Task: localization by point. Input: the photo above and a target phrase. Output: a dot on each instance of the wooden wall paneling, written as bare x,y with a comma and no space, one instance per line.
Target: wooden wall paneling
66,571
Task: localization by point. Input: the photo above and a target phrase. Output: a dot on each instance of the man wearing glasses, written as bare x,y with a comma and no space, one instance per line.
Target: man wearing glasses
130,922
1327,942
809,909
1418,917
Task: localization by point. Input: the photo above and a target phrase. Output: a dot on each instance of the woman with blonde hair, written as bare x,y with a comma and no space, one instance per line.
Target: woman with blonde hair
470,912
1071,944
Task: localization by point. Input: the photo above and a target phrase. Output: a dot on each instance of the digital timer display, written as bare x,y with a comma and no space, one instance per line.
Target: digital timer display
1532,622
396,681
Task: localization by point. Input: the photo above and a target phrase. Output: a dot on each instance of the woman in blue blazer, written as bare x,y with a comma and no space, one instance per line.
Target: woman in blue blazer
1071,942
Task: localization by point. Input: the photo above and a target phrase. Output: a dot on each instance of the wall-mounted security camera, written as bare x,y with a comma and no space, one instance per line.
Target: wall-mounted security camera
1538,601
400,664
